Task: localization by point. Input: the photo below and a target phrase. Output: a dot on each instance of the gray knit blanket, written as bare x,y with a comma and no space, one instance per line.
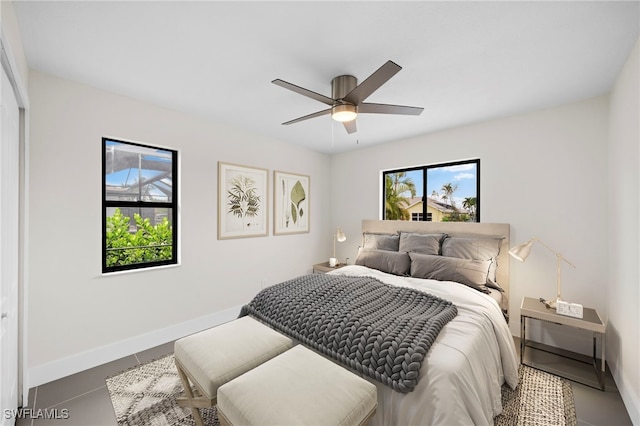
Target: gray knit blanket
379,330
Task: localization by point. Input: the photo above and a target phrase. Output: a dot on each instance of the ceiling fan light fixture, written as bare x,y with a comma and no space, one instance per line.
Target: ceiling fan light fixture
344,112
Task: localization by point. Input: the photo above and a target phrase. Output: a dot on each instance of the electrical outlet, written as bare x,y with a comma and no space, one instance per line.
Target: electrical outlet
569,309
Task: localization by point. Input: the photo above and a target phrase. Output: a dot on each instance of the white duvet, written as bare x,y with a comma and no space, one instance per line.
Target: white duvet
463,372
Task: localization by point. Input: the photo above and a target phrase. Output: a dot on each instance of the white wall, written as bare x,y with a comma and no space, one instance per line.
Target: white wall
543,172
623,333
79,317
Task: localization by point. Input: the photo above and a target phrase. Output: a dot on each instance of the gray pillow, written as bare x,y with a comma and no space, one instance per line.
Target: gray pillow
381,241
474,248
472,273
392,262
420,243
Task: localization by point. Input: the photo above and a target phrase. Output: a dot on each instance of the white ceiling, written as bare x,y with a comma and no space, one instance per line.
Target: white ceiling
462,61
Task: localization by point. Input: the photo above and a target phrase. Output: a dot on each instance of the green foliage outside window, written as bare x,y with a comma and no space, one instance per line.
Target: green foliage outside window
398,189
148,243
456,217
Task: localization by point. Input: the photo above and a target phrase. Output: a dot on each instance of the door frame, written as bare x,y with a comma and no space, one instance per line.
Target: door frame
10,66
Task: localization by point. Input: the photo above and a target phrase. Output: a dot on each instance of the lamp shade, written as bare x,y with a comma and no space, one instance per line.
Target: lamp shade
521,252
339,237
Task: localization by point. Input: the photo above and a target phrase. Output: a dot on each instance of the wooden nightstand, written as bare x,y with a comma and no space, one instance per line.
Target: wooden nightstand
323,268
591,321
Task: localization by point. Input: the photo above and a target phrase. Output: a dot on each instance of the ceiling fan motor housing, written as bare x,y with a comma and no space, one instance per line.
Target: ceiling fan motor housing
342,85
341,110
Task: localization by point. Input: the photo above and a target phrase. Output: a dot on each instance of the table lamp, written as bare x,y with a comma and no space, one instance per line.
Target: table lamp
521,252
340,237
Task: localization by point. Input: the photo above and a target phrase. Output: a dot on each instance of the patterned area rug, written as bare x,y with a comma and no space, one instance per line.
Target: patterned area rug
540,399
146,395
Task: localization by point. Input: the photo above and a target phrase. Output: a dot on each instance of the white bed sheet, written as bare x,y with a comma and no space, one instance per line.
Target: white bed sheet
461,377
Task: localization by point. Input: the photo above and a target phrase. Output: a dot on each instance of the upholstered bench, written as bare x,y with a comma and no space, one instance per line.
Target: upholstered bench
298,387
212,357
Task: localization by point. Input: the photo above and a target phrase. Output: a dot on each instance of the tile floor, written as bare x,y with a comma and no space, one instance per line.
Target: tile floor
85,395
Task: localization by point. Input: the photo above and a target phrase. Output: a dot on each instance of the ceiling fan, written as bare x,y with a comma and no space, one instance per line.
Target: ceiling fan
347,97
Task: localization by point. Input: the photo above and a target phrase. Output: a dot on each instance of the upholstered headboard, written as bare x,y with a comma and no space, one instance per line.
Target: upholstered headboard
453,229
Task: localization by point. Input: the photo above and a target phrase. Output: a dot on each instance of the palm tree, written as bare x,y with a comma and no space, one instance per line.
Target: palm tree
470,203
447,194
397,185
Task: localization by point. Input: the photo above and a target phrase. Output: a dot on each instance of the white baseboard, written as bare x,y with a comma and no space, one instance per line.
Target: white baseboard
60,368
629,397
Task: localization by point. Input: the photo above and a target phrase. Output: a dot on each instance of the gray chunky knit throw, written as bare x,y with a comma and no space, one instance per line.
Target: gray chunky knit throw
379,330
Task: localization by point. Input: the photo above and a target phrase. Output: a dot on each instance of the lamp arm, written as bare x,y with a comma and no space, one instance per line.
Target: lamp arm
558,255
558,273
334,245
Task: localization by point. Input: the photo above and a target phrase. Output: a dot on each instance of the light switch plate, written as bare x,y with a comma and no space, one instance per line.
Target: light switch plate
569,309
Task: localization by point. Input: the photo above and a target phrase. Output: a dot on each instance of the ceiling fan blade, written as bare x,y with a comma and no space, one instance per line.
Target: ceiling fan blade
306,117
372,83
304,92
350,126
367,108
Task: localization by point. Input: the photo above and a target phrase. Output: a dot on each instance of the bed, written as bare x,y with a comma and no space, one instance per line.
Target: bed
472,354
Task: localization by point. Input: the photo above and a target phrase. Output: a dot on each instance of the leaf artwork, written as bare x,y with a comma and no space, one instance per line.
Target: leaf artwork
243,199
297,196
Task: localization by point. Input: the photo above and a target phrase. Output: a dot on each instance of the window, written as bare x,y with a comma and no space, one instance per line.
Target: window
139,206
447,192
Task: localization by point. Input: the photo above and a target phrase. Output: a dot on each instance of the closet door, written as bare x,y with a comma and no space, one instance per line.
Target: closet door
9,247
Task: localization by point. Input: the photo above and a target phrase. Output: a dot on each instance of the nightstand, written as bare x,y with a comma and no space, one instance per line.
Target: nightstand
534,309
323,268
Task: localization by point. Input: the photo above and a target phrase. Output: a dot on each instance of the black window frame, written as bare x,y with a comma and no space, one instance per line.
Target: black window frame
171,205
426,216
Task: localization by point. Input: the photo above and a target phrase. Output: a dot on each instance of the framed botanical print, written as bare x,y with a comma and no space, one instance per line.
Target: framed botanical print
242,201
290,203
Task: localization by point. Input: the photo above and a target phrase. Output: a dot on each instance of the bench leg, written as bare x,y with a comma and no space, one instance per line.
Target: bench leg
189,399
